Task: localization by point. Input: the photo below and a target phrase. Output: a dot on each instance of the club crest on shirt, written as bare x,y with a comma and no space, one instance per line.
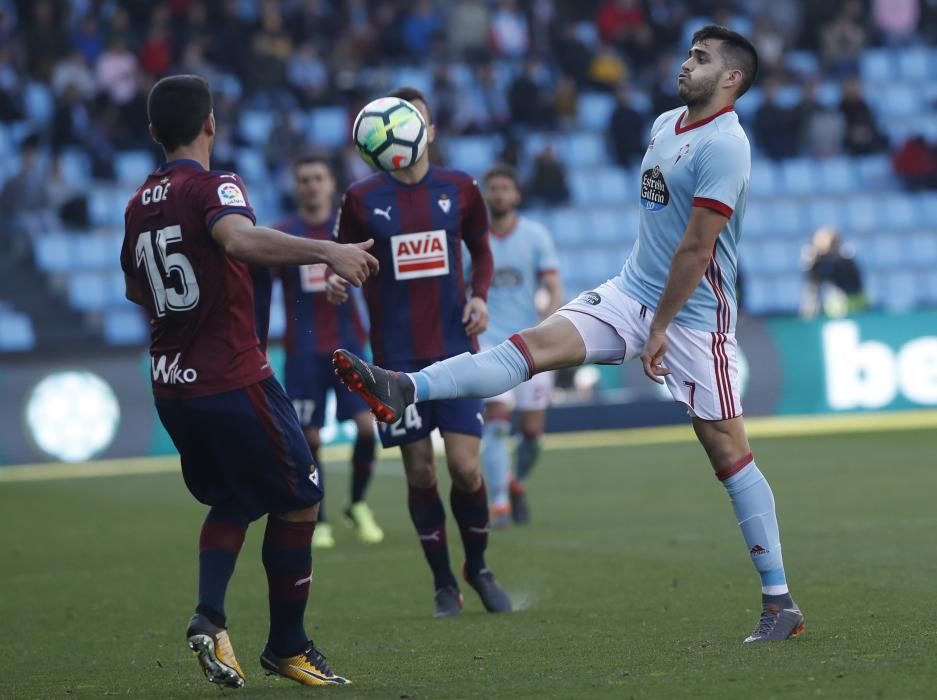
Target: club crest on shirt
684,149
444,203
654,193
230,195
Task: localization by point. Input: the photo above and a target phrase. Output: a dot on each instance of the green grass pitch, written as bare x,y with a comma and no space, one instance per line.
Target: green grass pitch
633,582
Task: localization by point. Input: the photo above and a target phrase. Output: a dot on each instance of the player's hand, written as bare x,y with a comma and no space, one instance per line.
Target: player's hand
353,262
653,354
336,289
475,316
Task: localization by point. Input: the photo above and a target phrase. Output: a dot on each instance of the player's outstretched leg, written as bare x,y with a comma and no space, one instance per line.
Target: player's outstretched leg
496,463
287,559
362,465
220,543
487,373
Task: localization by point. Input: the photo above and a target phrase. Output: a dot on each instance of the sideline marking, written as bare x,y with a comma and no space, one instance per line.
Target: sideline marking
768,427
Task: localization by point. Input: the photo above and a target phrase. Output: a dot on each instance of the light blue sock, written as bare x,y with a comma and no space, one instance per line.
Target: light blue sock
496,460
479,376
753,503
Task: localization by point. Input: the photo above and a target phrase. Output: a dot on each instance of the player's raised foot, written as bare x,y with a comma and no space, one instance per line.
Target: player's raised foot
323,537
520,510
212,649
449,601
362,518
489,590
500,516
386,393
777,622
306,668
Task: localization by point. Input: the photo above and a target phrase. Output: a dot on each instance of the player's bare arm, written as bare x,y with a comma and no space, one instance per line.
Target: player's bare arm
554,285
258,245
686,270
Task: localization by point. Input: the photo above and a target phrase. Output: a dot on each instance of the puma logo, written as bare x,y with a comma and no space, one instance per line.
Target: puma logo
433,536
383,212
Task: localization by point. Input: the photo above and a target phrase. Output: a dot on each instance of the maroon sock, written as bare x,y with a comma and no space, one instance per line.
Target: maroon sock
429,519
471,512
287,557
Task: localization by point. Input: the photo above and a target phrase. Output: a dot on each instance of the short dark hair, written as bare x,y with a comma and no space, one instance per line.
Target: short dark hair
177,107
502,170
312,159
410,94
737,52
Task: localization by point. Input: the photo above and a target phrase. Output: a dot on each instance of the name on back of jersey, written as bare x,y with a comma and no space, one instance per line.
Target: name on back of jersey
424,254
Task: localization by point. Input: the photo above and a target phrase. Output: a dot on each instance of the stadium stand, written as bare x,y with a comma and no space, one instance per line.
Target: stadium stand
894,233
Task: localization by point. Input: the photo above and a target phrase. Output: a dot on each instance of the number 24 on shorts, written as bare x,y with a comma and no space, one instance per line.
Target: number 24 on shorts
410,420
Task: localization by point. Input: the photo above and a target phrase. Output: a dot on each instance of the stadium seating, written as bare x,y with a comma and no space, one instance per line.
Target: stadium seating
893,233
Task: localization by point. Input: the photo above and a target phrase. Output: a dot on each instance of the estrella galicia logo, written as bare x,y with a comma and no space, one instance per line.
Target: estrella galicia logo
591,298
654,193
507,277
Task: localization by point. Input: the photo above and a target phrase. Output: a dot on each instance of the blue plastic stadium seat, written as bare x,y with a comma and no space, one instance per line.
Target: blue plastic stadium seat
896,100
39,103
916,63
125,326
583,149
251,164
823,211
829,94
789,96
804,63
474,154
277,326
329,126
927,205
582,187
929,286
76,167
414,76
838,175
106,205
875,172
877,65
569,228
89,291
53,252
762,183
902,291
888,250
256,126
95,250
921,248
595,110
16,332
901,211
608,226
132,167
799,176
787,217
863,213
614,186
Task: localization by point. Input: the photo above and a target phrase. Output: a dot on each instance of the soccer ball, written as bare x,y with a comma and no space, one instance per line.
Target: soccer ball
390,133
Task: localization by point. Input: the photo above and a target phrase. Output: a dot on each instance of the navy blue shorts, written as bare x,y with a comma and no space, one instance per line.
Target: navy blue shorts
308,378
419,419
243,447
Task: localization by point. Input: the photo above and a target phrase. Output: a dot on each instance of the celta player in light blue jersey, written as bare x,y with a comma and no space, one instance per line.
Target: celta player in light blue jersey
525,261
672,305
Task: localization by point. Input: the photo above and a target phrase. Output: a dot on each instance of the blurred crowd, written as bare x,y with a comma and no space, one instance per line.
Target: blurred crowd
497,66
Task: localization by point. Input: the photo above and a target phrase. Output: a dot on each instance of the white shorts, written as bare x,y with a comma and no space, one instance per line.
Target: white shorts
533,395
703,365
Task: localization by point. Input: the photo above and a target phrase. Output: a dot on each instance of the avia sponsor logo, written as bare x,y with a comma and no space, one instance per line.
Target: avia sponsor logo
312,277
417,255
869,374
654,193
165,372
757,549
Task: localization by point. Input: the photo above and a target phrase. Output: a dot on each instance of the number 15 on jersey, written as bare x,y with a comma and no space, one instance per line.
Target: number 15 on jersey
171,277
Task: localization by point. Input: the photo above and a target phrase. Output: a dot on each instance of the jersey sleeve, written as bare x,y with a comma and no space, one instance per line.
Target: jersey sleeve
223,194
475,235
547,259
349,224
723,165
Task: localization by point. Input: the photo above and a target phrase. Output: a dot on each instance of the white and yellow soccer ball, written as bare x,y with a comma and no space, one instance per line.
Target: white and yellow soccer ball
390,133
